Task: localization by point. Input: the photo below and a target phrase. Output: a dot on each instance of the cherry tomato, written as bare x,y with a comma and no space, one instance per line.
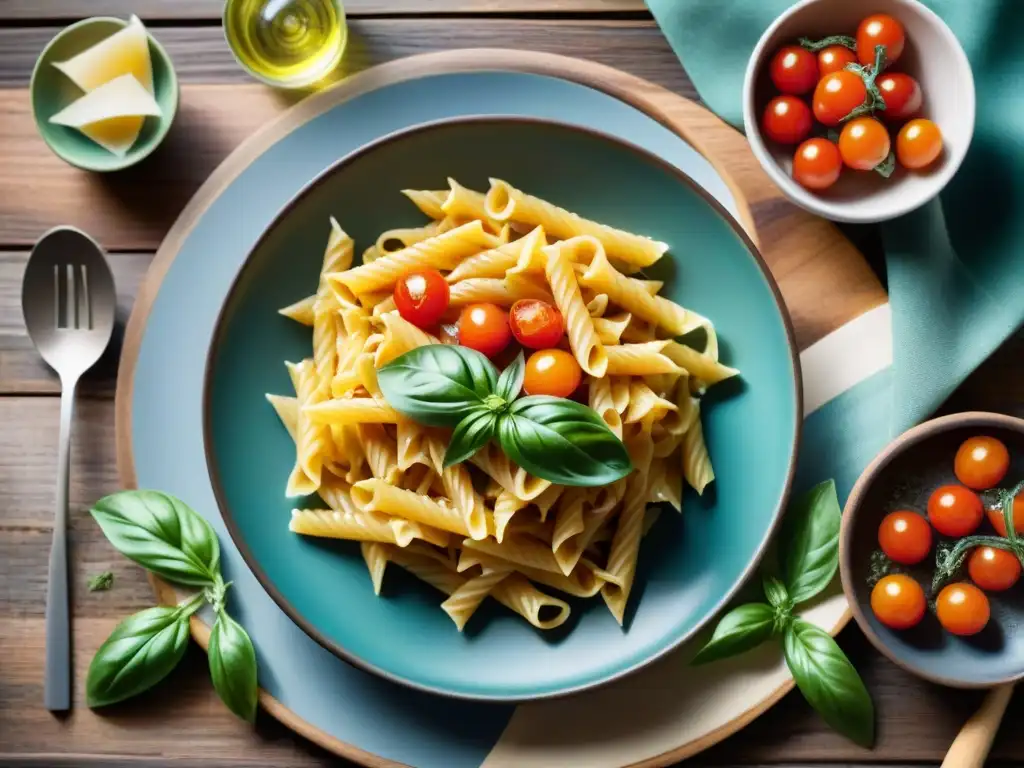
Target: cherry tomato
835,58
954,510
421,296
879,29
995,517
817,164
484,327
864,143
918,144
901,94
962,609
905,537
552,372
787,120
993,569
794,70
837,95
981,462
536,324
898,601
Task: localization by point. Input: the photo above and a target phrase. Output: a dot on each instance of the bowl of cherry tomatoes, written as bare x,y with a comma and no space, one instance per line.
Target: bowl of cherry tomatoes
930,568
859,113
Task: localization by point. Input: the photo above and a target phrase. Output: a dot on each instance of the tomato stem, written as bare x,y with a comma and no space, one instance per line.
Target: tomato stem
818,45
886,167
873,100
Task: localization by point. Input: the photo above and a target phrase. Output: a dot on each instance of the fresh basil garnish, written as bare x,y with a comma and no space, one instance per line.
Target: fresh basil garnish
511,380
471,434
162,534
139,653
741,629
777,594
562,441
233,666
438,384
829,681
810,537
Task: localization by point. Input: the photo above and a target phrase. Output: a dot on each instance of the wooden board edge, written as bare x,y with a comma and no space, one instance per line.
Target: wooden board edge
625,87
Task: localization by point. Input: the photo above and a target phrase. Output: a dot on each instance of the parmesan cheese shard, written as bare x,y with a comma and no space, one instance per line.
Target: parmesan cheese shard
112,114
126,52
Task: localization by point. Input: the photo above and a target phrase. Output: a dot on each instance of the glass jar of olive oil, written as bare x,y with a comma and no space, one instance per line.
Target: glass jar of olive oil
286,43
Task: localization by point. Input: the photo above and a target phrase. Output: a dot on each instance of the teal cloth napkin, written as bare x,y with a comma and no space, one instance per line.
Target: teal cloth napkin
955,266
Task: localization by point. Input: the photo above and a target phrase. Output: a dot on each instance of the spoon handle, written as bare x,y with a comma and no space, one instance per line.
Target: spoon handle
57,687
970,748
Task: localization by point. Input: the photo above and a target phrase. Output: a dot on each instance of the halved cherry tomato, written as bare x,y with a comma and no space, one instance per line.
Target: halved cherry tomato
536,324
484,327
962,609
981,462
422,296
993,569
898,601
954,510
995,517
552,372
879,29
864,143
837,95
918,144
817,164
787,120
835,58
794,70
901,94
905,537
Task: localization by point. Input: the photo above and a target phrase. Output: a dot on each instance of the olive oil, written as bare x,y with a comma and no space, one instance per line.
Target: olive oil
287,43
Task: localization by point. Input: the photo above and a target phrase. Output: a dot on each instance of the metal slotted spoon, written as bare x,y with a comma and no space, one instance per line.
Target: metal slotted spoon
68,301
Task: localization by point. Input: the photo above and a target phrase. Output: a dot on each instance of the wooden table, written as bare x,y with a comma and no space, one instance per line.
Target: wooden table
182,722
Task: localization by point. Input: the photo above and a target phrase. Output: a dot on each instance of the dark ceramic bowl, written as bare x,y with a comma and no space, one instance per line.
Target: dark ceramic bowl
902,477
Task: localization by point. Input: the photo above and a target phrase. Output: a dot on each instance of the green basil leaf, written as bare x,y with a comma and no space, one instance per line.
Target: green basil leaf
829,681
437,385
511,380
776,592
139,653
741,629
162,534
810,542
471,434
562,441
233,666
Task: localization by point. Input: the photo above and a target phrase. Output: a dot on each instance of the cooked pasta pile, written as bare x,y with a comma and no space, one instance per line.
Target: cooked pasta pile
486,528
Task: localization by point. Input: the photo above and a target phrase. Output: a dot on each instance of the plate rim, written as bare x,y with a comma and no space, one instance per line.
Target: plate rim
217,339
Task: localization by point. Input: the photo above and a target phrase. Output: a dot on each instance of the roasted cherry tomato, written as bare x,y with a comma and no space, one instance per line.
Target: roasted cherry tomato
954,510
995,517
962,609
552,372
787,120
901,94
421,296
864,143
981,462
817,164
837,95
484,327
918,144
835,58
536,324
794,70
993,569
905,537
898,601
879,29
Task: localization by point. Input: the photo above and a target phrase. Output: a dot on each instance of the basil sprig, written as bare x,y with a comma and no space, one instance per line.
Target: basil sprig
166,536
552,438
809,557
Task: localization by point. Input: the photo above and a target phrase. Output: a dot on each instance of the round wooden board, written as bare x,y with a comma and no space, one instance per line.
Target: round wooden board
824,280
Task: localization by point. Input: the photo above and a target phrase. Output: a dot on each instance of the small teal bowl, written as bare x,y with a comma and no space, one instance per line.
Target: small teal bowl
690,565
51,91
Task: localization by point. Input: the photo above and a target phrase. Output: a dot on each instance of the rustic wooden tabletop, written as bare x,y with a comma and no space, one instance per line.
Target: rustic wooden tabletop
182,722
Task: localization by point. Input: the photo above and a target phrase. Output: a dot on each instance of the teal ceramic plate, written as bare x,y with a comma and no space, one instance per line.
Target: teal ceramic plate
689,566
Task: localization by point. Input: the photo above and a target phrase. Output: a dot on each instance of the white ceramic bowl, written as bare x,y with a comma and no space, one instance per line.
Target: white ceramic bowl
946,83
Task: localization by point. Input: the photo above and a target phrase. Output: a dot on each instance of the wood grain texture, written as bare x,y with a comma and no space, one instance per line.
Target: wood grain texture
153,10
